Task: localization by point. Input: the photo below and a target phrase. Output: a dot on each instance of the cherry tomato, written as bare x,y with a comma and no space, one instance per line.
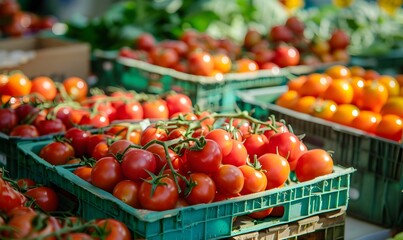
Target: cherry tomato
119,148
49,126
57,153
78,139
45,87
200,63
285,144
228,179
261,214
255,180
203,191
276,169
93,140
9,197
222,138
18,85
45,197
98,120
155,109
164,197
26,229
127,191
114,229
206,160
255,144
161,158
136,162
100,150
26,112
106,173
25,183
238,155
25,131
131,110
8,120
286,56
84,172
76,88
153,133
312,164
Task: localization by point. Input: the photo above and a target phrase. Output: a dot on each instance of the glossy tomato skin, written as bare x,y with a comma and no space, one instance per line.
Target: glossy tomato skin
155,109
222,138
276,169
106,173
114,229
78,139
285,144
203,192
76,88
228,179
238,155
25,229
131,110
165,195
286,56
49,126
45,197
312,164
9,197
120,147
100,150
98,120
8,120
84,172
178,103
161,158
255,144
25,112
153,133
136,162
57,153
255,180
93,140
127,191
206,160
25,131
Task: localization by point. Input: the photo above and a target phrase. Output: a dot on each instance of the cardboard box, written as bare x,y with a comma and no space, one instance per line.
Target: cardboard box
54,57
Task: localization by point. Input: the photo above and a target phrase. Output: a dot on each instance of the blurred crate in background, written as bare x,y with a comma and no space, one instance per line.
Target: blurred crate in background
376,193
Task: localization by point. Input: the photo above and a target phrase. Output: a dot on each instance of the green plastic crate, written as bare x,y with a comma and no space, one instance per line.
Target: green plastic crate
104,68
204,221
391,63
376,193
212,93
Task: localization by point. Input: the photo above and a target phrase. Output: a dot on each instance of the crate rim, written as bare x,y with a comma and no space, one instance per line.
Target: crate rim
248,96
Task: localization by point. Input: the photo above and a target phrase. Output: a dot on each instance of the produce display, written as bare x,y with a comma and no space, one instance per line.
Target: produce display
351,96
29,211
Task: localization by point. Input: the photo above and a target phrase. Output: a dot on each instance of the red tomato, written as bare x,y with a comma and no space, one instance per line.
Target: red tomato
261,214
84,172
136,162
238,155
145,41
203,191
131,111
279,126
312,164
296,154
26,112
93,140
57,153
255,180
78,139
106,173
200,63
49,126
152,133
285,144
100,150
222,138
119,148
98,120
286,56
178,103
255,144
206,160
25,183
9,197
114,229
206,118
276,169
25,229
25,131
156,109
228,179
164,197
45,198
8,120
161,158
127,191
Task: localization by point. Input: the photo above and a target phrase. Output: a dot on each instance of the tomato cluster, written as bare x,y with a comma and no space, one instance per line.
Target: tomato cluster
352,96
26,213
192,158
41,106
15,22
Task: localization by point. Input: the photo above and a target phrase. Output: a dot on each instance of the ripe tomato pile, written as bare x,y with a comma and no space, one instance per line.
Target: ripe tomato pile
41,106
27,212
192,158
200,54
351,96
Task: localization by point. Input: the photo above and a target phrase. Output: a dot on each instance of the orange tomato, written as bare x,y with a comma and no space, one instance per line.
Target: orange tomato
374,96
340,91
399,79
18,85
345,114
338,71
367,121
45,87
296,83
246,65
393,106
305,104
358,84
391,85
391,127
288,99
315,85
76,88
324,109
371,75
357,71
222,63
